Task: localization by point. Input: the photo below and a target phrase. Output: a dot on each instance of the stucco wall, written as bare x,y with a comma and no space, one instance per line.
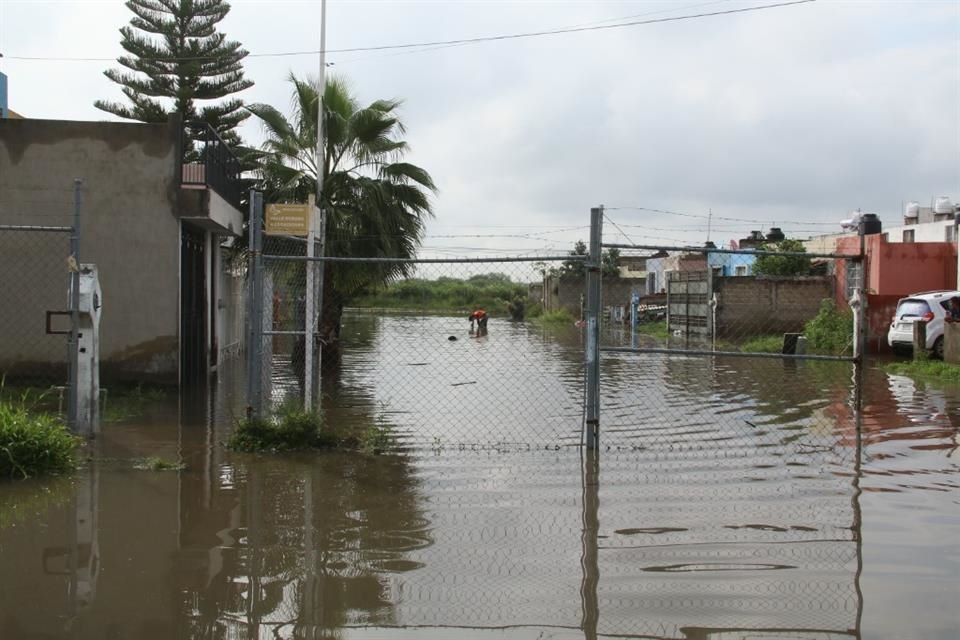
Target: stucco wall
129,229
897,268
757,305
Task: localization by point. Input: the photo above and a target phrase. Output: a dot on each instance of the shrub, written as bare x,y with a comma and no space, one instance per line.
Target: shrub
32,443
293,429
831,330
560,316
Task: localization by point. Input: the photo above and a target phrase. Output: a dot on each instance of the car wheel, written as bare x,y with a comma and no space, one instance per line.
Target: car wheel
938,349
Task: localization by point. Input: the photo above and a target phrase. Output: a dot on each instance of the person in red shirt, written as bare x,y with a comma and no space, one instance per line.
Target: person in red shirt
480,317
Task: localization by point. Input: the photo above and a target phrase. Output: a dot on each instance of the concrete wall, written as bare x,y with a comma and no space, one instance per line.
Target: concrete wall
757,305
565,293
129,229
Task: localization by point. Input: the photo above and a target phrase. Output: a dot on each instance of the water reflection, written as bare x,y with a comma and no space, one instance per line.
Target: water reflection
729,504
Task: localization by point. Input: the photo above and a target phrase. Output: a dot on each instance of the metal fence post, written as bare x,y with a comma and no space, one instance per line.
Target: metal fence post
255,315
73,341
592,355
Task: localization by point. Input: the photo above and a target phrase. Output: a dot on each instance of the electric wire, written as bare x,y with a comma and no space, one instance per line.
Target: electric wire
438,43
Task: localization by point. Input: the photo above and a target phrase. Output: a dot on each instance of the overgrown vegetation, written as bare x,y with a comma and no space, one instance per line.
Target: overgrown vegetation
763,344
654,328
32,442
830,332
494,292
291,428
929,369
782,265
560,316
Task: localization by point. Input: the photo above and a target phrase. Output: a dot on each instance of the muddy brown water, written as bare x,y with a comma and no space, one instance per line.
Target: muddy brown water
730,500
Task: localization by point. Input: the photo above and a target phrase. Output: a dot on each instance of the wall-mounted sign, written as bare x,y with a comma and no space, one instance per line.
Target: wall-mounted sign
287,219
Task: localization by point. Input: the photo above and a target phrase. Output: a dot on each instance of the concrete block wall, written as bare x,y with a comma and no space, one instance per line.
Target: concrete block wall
129,229
756,305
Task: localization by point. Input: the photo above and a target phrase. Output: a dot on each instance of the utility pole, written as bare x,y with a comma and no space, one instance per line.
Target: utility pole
319,230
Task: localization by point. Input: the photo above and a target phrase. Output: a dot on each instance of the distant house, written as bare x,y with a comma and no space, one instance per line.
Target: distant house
151,223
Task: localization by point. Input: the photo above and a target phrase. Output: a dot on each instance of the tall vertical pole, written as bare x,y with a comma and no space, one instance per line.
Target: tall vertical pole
310,314
321,168
256,305
73,342
593,330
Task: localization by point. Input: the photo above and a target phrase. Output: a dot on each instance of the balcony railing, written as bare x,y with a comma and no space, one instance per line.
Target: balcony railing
217,168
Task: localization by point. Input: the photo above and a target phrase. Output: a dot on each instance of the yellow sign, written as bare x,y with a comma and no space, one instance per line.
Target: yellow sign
287,219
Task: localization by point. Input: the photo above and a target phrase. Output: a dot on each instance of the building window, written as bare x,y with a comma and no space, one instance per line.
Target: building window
908,235
741,270
950,233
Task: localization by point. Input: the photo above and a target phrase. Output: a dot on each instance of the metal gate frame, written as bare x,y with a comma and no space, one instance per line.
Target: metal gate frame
858,302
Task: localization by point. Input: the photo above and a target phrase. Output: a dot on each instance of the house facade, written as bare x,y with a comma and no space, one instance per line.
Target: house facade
151,223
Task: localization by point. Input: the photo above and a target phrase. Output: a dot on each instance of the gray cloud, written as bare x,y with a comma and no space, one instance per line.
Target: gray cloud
797,114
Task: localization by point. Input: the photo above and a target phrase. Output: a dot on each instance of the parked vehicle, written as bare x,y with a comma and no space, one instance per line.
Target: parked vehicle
930,306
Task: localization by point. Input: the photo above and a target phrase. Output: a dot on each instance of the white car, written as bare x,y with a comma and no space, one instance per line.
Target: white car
928,305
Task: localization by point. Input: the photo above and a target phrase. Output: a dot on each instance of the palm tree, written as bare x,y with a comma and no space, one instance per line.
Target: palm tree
376,204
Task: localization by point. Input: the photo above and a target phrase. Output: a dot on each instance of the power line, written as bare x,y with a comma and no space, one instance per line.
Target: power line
442,43
703,217
622,232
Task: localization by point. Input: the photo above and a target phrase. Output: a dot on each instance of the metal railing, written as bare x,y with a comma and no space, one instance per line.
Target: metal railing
217,168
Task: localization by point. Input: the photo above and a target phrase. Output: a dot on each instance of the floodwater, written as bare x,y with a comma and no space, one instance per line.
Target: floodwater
730,499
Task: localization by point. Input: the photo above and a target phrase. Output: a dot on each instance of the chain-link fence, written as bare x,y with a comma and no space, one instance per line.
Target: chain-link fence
39,277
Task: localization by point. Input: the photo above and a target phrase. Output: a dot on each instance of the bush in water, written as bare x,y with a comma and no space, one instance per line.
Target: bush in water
32,443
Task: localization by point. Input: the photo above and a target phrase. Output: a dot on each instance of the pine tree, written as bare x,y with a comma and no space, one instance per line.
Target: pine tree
188,62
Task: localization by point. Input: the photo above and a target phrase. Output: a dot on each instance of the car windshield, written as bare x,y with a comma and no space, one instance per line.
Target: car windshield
912,309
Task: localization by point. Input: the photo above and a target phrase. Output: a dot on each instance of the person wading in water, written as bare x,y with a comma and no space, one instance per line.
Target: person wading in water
480,317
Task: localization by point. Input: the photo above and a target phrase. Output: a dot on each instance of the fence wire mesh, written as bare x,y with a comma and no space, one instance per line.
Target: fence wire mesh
749,301
34,280
407,356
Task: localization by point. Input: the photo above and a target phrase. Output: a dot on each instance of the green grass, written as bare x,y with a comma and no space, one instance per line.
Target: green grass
654,328
560,316
492,292
763,344
293,429
33,442
928,369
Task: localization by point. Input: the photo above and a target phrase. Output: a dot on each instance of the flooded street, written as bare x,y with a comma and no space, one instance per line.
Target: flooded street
730,500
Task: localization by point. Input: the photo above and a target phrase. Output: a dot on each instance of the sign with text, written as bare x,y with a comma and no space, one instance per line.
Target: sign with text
287,219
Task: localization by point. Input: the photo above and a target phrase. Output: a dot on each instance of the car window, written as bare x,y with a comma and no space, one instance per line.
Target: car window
912,309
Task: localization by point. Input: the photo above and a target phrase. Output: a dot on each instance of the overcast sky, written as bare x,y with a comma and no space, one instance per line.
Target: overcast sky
788,117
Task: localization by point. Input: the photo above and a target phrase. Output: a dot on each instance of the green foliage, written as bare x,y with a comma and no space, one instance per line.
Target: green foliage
609,264
830,331
292,429
767,265
493,292
156,463
32,443
175,54
763,344
653,328
927,369
560,316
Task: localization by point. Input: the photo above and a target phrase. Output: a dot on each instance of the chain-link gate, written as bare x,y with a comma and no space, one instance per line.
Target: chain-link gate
39,296
407,357
731,380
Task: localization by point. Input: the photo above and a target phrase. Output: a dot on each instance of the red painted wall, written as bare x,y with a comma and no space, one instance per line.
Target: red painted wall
895,270
901,268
